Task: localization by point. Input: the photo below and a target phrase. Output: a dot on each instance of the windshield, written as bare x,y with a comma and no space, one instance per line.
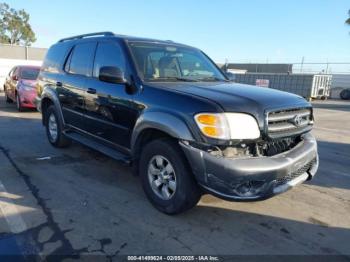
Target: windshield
29,73
162,62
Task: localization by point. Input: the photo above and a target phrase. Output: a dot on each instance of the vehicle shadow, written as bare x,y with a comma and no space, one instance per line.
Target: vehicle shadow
333,170
205,230
11,108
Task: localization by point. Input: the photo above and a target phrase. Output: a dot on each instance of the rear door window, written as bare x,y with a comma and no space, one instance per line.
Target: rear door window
82,58
54,57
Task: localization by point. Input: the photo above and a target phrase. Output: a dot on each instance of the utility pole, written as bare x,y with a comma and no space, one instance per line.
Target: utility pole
226,64
302,64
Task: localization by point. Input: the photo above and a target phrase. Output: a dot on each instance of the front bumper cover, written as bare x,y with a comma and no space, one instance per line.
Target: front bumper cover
254,178
27,98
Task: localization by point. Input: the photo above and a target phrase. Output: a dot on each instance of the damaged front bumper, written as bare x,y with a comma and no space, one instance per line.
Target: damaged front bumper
254,178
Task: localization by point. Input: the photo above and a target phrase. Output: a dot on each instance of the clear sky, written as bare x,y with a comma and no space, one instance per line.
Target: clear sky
245,30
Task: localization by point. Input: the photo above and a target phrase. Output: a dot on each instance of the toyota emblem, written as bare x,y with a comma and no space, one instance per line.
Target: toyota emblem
297,120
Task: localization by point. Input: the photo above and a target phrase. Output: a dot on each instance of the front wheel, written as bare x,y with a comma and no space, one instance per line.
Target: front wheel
18,103
7,99
54,128
167,178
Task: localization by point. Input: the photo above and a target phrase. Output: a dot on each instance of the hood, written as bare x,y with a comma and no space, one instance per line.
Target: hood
234,97
27,82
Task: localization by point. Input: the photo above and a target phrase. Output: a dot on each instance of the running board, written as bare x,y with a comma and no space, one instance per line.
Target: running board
113,153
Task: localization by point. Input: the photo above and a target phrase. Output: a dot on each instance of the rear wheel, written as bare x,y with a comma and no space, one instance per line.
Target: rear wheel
54,128
167,178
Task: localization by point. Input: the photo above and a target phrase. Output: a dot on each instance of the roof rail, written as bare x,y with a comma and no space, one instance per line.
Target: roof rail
86,35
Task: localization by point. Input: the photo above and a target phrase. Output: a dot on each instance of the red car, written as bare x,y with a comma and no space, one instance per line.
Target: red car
20,86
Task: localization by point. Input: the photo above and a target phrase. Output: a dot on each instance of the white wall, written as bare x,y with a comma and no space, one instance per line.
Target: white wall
7,64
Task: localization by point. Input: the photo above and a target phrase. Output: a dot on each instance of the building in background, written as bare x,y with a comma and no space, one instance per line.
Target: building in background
12,55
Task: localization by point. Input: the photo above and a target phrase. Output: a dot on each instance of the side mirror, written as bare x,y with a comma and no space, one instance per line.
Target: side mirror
112,74
14,77
230,76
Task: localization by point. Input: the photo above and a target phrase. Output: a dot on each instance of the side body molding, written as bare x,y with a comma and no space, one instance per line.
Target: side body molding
162,121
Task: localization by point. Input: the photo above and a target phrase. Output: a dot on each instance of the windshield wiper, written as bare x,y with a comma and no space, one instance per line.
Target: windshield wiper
212,78
174,78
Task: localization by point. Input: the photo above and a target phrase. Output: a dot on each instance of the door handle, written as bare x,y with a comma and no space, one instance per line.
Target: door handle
91,91
59,84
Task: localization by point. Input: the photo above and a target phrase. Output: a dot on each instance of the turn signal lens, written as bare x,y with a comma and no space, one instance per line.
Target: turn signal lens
213,125
210,120
211,131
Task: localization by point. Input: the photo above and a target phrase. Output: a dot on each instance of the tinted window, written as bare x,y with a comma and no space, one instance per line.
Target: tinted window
108,54
29,73
54,57
82,59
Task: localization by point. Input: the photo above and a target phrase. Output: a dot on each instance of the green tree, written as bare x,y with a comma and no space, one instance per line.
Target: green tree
348,20
14,26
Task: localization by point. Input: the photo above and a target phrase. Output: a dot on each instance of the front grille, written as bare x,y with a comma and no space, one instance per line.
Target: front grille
289,122
299,172
278,146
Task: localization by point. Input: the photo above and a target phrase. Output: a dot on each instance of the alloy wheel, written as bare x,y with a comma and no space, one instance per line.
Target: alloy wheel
162,177
53,130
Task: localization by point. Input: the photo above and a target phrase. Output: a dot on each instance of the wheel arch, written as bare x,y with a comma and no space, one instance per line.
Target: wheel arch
156,125
49,97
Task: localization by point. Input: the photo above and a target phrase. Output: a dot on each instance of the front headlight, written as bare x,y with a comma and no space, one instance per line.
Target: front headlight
228,126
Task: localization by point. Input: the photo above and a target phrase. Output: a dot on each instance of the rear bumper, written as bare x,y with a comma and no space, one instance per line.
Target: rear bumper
257,178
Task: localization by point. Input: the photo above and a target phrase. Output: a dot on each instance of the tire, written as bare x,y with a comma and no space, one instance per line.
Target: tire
186,194
18,103
7,99
53,122
345,94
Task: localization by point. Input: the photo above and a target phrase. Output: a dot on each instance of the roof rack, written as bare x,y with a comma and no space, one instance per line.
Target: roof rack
86,36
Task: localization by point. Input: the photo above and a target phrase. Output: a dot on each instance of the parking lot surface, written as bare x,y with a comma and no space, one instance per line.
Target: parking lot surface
77,201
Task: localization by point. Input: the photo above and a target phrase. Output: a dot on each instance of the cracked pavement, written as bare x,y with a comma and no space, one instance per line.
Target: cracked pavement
76,201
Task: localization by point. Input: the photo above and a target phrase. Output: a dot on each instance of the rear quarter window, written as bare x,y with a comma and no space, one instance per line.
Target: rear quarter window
55,57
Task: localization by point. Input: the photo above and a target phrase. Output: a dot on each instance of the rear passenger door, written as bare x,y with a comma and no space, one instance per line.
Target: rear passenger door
72,89
108,110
